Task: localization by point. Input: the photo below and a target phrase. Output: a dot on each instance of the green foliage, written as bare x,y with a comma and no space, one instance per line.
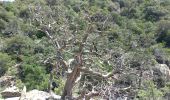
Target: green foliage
6,15
118,19
122,36
150,92
124,3
10,7
154,13
34,76
18,44
135,27
59,90
164,32
40,34
131,13
5,63
167,50
1,97
166,89
19,84
2,24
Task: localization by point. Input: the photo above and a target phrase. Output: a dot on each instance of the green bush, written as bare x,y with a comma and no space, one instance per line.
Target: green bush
123,3
2,24
33,76
5,63
10,7
164,32
18,44
119,20
59,90
135,27
150,92
154,13
130,13
7,16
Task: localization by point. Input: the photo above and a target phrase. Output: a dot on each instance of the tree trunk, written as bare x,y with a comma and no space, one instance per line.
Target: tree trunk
67,93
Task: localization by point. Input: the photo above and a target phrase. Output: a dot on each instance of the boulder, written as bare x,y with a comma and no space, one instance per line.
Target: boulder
161,74
13,98
11,92
36,95
162,70
39,95
6,81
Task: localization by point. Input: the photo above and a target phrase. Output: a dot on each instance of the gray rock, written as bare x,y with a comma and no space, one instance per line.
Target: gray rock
13,98
6,81
162,69
161,74
39,95
11,92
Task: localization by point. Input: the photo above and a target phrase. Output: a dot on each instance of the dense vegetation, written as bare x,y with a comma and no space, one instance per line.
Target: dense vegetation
42,40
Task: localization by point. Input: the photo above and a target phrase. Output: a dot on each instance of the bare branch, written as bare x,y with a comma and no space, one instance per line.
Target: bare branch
91,94
90,71
87,96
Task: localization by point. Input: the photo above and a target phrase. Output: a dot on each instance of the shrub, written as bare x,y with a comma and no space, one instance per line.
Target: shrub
5,63
34,76
119,20
131,13
17,44
135,27
164,32
154,13
150,91
123,3
2,24
6,16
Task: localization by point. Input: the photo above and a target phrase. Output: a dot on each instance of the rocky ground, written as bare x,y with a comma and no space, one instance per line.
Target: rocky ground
14,93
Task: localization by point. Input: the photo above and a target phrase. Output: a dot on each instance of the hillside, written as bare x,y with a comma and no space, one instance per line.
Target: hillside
91,49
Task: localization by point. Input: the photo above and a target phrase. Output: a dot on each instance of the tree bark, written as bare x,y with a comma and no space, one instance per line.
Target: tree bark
71,79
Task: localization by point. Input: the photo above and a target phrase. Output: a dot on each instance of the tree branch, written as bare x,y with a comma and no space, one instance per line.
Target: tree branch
90,71
87,96
91,94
